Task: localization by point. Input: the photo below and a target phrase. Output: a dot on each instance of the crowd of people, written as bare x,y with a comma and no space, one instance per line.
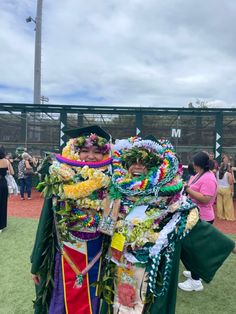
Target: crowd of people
18,174
28,171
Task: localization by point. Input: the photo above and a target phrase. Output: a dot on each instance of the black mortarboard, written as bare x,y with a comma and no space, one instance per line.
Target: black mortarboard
151,138
73,133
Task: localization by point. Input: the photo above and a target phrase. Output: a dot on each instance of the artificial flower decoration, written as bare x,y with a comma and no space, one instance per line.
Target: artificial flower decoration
126,294
63,171
72,149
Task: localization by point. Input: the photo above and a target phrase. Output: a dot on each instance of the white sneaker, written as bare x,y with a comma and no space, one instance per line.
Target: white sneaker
187,274
191,285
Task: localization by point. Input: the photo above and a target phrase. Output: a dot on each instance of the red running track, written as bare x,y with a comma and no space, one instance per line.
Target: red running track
25,208
32,208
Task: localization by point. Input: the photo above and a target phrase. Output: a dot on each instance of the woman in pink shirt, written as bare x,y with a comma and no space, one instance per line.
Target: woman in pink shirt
202,189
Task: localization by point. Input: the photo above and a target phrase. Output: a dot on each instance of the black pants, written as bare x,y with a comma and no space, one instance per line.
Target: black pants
194,275
25,184
3,202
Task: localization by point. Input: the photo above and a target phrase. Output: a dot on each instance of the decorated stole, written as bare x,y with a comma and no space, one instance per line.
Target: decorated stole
130,290
76,218
81,261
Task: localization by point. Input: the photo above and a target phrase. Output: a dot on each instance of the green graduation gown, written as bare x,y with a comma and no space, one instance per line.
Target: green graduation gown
203,251
43,256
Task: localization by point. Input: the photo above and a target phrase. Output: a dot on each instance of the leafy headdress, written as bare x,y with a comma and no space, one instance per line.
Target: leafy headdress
163,176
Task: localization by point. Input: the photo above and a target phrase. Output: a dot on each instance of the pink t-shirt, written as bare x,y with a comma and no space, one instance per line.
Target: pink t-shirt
207,185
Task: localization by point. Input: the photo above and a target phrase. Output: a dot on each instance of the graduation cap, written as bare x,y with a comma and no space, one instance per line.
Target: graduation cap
86,131
151,137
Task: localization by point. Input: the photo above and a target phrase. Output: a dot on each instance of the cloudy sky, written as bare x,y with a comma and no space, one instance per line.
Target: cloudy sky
121,52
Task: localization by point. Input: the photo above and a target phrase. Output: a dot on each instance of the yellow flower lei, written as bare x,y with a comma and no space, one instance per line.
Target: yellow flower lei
68,152
96,180
192,219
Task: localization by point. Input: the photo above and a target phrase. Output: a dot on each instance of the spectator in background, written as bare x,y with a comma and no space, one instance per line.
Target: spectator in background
35,163
225,159
17,157
201,189
225,192
214,166
13,186
25,172
5,167
43,168
228,163
9,157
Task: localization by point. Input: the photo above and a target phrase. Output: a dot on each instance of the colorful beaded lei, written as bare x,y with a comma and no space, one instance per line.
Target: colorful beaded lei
85,219
150,240
156,177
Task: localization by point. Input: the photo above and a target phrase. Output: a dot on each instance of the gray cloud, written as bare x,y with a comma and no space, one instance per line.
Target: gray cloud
147,53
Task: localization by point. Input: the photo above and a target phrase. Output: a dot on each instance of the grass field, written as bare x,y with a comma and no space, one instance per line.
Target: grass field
16,286
218,297
17,290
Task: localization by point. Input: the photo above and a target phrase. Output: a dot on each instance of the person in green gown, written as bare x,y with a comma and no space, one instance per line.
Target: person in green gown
43,168
154,225
69,249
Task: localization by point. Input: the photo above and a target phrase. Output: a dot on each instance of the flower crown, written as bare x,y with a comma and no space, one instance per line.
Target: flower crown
91,140
72,149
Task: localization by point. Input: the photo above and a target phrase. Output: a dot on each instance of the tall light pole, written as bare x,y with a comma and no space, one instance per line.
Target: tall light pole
37,56
37,51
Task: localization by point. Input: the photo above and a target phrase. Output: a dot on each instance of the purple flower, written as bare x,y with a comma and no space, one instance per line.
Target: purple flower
106,148
88,142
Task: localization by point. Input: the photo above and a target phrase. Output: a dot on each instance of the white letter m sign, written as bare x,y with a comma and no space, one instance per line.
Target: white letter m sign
176,133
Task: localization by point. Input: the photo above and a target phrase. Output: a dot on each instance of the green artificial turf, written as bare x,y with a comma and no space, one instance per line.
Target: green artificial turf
17,289
16,285
218,297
